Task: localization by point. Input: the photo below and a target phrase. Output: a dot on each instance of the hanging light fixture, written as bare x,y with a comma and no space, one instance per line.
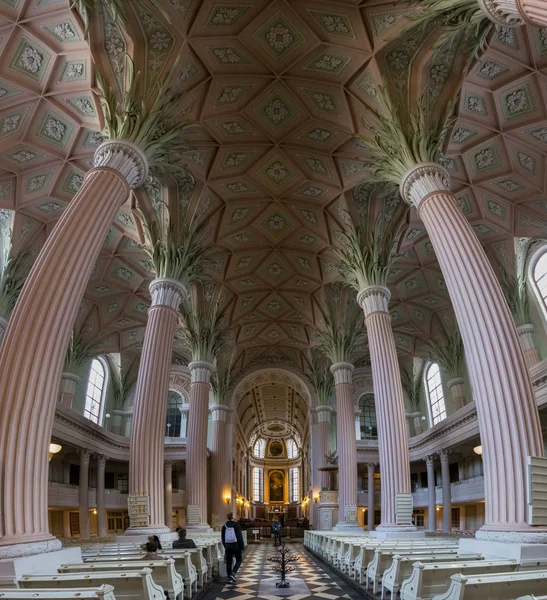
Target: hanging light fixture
478,450
54,449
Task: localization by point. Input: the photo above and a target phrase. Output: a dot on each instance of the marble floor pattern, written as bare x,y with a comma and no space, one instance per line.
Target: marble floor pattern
256,579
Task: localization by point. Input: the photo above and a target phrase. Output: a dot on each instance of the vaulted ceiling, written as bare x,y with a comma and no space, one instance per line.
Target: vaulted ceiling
276,93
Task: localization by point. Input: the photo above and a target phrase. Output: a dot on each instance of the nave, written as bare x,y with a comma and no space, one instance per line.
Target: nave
256,579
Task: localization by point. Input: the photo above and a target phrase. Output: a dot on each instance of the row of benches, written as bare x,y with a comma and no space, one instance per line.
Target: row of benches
120,571
426,569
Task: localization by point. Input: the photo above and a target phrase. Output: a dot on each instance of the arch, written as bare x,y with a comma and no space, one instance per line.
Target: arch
173,416
435,394
96,390
259,448
537,276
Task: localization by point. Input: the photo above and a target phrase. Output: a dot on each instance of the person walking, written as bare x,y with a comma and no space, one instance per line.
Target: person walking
276,530
232,540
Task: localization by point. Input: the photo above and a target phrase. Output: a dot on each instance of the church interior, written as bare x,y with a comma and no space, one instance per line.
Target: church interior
281,259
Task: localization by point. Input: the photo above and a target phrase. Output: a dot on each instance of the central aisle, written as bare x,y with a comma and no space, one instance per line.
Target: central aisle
257,580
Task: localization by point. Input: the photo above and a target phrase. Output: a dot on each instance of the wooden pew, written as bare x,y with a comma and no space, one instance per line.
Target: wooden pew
105,592
163,572
427,580
501,586
129,584
402,566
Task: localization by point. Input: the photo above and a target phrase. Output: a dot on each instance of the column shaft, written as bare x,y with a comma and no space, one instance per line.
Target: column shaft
431,495
83,491
501,385
528,344
221,461
388,400
196,448
447,493
101,508
534,12
371,504
33,352
345,435
168,483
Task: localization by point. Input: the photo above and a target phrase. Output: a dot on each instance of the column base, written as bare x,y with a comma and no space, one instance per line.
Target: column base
394,532
37,564
201,528
150,530
531,536
343,527
527,555
20,548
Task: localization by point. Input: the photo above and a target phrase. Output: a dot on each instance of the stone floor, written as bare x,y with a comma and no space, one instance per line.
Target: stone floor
310,579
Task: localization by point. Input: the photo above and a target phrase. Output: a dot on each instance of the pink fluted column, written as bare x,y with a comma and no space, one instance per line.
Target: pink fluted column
371,467
528,344
221,462
100,496
34,346
501,385
347,447
196,445
320,445
456,389
515,12
168,495
390,406
69,383
83,492
149,409
431,494
447,492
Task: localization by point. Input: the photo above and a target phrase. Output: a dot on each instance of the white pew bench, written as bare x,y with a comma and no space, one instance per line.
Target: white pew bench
184,566
530,597
129,584
501,586
163,572
427,580
105,592
402,566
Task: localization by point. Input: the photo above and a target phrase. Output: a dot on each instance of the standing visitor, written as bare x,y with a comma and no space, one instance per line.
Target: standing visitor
232,540
276,530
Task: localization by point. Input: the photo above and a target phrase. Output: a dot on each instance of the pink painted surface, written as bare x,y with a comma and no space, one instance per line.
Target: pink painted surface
34,347
534,12
347,449
196,452
508,416
221,467
148,427
390,414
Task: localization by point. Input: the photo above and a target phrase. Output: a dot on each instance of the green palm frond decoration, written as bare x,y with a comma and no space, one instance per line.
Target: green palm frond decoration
155,129
366,256
412,380
462,21
13,274
448,352
515,290
343,330
121,380
79,351
222,381
321,379
201,325
116,9
401,139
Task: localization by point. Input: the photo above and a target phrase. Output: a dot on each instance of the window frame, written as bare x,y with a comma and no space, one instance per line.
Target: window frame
539,300
104,388
258,484
294,484
262,443
440,400
365,411
293,446
178,419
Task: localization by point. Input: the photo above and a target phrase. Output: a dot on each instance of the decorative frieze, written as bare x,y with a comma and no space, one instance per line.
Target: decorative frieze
126,158
167,292
373,299
342,373
422,180
200,371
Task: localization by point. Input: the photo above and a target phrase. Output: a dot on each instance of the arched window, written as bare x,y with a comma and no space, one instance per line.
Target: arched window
260,448
367,417
96,388
539,275
292,448
294,484
435,393
173,421
258,484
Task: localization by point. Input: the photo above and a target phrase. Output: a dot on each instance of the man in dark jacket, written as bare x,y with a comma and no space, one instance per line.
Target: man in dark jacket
183,541
232,540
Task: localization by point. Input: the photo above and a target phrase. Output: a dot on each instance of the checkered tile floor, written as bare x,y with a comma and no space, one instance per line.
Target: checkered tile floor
256,574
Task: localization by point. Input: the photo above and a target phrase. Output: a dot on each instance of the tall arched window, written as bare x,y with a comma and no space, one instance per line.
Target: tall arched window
260,448
173,419
435,393
258,484
367,418
96,388
294,484
292,448
539,275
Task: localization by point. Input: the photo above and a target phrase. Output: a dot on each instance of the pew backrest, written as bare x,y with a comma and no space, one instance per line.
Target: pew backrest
104,592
